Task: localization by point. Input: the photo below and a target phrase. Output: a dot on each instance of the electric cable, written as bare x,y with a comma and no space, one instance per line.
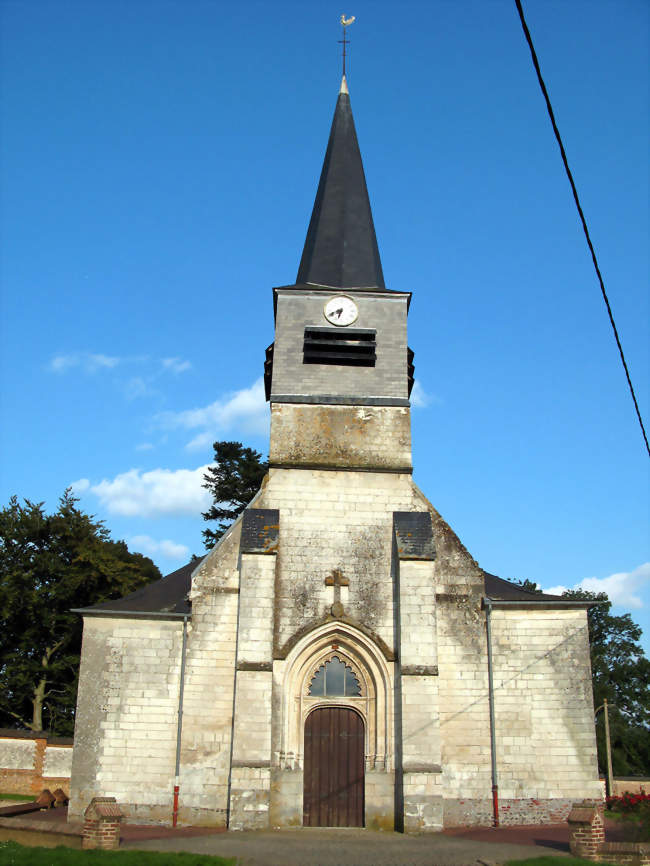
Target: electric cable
581,214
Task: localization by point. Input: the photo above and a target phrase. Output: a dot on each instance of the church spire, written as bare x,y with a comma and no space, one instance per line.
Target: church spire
341,247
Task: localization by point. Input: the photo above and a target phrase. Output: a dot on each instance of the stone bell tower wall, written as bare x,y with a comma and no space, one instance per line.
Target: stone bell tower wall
384,312
351,437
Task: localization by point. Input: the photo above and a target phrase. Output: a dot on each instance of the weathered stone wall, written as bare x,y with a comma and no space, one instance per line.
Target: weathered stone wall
543,703
335,520
209,686
127,710
545,743
361,437
17,754
58,762
436,708
28,763
544,714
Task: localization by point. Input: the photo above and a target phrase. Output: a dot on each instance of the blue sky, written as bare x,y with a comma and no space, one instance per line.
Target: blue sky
160,164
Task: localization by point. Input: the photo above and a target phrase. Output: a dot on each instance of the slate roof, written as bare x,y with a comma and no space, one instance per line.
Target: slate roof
498,589
341,247
260,530
414,535
167,595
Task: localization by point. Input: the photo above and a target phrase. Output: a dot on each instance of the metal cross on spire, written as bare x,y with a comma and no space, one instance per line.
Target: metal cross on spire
345,22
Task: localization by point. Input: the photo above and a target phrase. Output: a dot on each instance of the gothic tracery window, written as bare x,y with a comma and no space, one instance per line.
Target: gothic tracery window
334,678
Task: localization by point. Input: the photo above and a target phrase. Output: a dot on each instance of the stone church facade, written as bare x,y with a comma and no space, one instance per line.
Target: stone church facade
326,664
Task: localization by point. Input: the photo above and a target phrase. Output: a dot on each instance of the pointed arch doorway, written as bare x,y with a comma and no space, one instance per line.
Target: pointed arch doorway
334,768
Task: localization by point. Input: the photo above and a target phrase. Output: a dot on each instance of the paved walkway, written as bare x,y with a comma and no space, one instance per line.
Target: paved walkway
353,847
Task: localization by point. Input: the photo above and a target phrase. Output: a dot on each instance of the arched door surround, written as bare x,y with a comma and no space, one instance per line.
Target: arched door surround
368,691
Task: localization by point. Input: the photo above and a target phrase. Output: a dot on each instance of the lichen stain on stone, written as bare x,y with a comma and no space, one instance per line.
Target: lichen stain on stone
305,607
364,564
339,436
381,822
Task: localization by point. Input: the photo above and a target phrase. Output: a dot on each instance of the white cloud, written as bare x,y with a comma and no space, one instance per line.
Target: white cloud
87,361
155,493
144,446
245,410
419,397
176,365
80,486
149,546
554,590
136,387
622,588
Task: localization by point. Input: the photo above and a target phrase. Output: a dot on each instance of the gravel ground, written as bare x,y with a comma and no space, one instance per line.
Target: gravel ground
353,847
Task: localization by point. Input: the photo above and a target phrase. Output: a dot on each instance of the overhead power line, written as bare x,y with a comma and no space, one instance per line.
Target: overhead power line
581,214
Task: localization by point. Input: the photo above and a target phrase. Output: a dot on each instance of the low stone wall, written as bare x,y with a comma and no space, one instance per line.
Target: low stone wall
630,785
31,761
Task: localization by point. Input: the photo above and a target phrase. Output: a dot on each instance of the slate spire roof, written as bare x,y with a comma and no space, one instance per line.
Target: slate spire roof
341,247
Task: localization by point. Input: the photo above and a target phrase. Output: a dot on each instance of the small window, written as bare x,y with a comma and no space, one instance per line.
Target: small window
333,679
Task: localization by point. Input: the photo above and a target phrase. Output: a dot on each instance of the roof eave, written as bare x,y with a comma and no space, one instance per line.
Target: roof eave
131,614
541,604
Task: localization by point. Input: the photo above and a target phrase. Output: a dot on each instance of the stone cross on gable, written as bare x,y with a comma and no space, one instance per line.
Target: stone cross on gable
336,580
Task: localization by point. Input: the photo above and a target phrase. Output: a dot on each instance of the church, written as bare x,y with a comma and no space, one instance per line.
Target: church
338,658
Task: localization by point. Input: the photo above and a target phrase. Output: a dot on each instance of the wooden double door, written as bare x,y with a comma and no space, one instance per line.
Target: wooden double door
334,768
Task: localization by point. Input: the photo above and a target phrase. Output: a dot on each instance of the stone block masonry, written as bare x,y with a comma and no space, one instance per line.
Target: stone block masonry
543,704
127,715
360,437
383,313
335,581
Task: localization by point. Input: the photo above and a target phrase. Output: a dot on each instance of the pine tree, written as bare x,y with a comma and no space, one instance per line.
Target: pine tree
233,481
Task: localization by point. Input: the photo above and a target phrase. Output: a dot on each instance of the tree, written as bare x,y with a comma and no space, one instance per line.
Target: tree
233,481
50,563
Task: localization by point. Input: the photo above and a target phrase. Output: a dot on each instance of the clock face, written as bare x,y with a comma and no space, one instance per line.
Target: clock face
341,310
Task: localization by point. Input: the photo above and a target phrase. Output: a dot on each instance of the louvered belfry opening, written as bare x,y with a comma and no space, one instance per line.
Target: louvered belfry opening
355,348
334,768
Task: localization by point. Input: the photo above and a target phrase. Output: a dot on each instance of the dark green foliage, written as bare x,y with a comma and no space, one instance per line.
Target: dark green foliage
620,673
529,586
50,563
13,854
233,481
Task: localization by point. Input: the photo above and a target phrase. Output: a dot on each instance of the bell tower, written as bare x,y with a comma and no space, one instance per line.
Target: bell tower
339,373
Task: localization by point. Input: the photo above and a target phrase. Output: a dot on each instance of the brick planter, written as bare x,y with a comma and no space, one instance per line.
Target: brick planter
102,821
587,839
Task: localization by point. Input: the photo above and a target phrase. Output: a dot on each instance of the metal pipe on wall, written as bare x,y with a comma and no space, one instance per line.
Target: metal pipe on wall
493,751
179,726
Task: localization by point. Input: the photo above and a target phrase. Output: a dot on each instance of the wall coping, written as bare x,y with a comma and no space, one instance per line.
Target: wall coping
18,734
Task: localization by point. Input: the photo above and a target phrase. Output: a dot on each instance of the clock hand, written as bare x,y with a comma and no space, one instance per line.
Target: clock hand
339,312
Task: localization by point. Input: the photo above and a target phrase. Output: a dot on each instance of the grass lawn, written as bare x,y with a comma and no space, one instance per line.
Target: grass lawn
17,797
12,854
